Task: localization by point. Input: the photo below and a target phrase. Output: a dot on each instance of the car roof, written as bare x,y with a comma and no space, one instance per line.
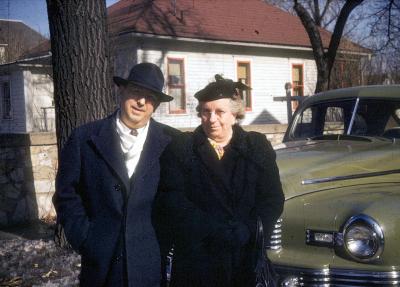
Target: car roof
376,91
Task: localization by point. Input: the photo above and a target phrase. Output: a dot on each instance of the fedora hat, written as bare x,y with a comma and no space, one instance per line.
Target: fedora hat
148,76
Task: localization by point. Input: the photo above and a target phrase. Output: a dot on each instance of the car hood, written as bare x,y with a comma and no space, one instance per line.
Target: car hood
304,160
379,200
328,211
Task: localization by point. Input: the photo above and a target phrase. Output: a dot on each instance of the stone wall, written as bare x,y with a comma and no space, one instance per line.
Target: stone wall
28,164
273,132
44,159
27,170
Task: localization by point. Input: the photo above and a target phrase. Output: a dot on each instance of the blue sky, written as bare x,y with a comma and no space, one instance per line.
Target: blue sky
31,12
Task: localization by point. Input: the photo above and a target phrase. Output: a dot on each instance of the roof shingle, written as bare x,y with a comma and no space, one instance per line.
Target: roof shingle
251,21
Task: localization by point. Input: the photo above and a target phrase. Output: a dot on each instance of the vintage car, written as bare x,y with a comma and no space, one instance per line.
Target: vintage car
340,170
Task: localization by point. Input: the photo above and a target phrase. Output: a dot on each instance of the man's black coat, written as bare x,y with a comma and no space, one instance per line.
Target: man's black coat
100,207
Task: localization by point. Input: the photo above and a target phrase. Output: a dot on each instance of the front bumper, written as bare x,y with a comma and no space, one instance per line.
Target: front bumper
289,276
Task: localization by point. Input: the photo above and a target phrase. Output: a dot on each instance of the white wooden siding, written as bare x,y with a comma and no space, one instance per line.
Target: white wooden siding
40,96
269,73
17,123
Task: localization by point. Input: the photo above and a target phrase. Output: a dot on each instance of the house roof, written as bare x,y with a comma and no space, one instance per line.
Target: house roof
18,38
248,21
40,50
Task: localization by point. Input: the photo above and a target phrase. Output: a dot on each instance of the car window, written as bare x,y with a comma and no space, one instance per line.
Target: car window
322,119
392,122
380,118
372,118
304,128
392,127
397,114
334,121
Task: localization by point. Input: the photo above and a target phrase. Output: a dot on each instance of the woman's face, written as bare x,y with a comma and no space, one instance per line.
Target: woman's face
217,119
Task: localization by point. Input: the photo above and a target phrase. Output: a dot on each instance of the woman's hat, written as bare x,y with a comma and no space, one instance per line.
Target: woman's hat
221,88
148,76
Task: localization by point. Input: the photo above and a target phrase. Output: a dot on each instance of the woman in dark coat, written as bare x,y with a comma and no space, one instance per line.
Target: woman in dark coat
215,182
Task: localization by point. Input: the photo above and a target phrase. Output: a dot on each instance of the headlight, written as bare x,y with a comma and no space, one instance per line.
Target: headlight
363,238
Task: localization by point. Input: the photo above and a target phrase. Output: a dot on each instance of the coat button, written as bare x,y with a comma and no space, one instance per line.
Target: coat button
118,258
117,187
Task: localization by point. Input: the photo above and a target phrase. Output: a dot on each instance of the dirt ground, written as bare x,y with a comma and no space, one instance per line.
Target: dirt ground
29,257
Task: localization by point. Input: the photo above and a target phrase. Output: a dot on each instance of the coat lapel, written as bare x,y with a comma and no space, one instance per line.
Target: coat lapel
107,143
154,145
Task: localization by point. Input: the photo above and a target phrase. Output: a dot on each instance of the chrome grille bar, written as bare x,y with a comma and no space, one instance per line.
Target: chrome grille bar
338,277
275,241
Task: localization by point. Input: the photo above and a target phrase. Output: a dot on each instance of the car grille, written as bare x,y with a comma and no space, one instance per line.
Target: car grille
275,241
336,277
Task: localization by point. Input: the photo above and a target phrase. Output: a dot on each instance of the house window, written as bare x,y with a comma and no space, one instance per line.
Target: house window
6,102
243,74
298,88
176,85
297,83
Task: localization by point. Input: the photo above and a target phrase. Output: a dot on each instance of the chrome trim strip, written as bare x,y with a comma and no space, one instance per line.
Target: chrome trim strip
338,277
347,177
274,247
353,116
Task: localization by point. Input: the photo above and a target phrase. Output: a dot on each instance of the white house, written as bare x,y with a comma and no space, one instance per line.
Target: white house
192,40
26,96
26,86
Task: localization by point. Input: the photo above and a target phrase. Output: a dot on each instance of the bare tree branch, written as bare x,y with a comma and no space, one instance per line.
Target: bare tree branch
339,27
325,10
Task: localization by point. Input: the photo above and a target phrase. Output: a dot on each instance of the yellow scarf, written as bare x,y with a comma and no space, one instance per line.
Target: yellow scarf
218,149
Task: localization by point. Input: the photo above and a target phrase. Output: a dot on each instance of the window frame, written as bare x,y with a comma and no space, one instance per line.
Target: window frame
295,104
248,107
181,62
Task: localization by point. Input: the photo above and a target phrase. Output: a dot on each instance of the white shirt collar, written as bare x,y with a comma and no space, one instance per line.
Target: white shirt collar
125,129
129,141
131,146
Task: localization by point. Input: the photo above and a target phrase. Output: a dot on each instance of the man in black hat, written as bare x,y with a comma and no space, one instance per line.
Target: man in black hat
106,182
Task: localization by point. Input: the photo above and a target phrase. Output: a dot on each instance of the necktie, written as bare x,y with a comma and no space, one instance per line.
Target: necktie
134,132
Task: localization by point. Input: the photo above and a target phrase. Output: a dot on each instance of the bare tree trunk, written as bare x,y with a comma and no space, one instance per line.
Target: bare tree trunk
324,60
79,41
80,63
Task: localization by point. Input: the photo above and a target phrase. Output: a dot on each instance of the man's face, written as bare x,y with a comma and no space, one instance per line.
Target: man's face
137,106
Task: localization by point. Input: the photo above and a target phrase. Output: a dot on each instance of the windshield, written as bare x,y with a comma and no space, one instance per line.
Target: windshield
354,117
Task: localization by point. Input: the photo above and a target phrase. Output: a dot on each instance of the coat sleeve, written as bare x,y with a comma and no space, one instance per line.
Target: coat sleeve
269,195
70,210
